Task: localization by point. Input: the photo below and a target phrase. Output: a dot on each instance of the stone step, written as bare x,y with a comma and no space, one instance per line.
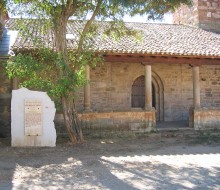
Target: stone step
185,131
158,133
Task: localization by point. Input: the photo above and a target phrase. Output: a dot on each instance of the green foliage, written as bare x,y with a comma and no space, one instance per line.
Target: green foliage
17,66
155,9
2,5
117,30
57,70
46,70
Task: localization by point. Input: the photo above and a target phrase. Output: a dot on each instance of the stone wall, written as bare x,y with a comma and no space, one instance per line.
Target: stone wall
210,86
206,118
204,13
111,87
209,14
132,120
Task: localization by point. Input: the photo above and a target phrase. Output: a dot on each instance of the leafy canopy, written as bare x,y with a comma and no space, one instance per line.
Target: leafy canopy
60,71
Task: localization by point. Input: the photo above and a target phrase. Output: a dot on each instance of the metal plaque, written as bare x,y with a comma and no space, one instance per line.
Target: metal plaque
33,117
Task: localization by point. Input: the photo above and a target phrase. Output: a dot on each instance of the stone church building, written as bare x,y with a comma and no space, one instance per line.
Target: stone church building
172,74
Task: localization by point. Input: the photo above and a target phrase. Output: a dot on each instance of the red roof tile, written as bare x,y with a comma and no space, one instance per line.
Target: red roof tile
159,39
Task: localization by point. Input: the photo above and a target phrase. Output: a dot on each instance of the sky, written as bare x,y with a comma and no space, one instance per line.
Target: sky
167,19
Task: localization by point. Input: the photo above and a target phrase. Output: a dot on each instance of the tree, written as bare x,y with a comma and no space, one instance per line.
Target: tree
59,71
3,13
2,5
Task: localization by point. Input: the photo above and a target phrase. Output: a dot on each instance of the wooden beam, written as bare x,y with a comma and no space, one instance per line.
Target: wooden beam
164,55
162,60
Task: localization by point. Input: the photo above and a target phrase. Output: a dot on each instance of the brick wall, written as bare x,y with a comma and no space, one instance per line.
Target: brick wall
204,13
111,87
210,86
209,14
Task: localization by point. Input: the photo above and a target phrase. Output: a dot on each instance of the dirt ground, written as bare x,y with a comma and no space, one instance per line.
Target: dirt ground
140,162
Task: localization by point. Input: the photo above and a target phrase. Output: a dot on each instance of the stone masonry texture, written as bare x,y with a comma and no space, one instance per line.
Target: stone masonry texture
111,87
206,118
204,13
138,121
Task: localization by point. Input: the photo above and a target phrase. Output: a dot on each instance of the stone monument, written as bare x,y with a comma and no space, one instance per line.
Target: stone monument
32,116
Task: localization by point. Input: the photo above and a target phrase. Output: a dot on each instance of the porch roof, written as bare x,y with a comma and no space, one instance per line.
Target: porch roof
157,39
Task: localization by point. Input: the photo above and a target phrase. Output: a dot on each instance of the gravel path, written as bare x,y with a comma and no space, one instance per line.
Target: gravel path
131,163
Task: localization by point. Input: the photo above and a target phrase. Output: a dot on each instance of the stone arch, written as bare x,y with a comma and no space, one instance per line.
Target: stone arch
157,94
137,93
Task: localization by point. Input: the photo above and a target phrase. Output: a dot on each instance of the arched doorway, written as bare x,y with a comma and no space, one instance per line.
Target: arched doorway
158,96
138,94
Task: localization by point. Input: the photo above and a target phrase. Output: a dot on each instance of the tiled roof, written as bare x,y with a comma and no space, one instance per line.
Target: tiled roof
157,39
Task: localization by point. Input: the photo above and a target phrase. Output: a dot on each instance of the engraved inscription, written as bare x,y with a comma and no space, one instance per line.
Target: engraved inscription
33,117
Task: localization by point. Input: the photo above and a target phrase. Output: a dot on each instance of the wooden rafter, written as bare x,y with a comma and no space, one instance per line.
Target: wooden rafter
129,58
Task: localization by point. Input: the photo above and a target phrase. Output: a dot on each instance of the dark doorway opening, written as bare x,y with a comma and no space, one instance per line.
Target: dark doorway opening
138,94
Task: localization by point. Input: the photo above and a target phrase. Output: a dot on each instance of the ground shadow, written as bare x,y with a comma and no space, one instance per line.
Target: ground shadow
109,164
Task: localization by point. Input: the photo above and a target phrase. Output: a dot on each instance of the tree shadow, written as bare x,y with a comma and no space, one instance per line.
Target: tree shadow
109,166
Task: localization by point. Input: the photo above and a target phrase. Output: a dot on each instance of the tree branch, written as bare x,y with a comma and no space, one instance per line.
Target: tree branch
71,7
87,25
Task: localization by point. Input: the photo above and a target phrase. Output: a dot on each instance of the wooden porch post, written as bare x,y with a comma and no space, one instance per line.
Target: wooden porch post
87,104
196,87
148,87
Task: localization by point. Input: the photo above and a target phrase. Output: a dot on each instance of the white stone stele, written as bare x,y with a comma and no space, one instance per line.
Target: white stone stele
18,137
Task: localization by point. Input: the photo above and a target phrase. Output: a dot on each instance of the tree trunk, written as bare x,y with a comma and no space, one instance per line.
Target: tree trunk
71,121
69,112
